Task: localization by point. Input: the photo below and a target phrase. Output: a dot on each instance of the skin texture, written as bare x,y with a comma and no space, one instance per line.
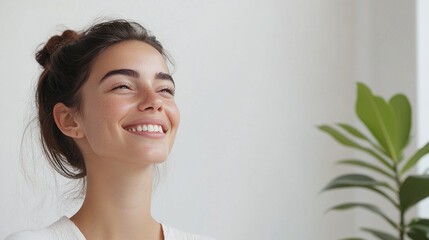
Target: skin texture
119,163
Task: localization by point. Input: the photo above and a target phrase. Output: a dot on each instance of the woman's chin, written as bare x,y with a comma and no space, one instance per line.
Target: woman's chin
151,158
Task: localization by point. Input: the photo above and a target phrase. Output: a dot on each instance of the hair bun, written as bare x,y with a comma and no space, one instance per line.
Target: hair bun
54,43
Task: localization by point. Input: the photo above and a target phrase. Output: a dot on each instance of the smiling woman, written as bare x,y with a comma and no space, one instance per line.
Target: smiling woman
107,114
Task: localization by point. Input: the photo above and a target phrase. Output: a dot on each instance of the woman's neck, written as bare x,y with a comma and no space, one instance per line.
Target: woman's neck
117,204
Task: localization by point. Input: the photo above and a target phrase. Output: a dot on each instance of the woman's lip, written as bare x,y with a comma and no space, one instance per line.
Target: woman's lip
146,121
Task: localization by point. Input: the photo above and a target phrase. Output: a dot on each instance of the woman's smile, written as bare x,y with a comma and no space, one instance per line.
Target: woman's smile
148,127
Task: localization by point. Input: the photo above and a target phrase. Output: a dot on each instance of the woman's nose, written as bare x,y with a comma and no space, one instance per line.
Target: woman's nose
150,101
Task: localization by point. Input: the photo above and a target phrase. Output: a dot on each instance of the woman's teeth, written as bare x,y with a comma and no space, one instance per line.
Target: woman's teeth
146,128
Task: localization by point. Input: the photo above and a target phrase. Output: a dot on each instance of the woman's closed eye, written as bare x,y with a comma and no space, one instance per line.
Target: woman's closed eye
170,91
125,86
122,86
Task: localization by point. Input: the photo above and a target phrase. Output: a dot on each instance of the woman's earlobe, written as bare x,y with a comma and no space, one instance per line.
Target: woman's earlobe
65,120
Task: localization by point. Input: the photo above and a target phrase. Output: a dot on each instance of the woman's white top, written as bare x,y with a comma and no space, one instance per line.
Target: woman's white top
65,229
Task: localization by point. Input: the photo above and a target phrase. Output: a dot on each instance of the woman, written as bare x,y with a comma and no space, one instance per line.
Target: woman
107,112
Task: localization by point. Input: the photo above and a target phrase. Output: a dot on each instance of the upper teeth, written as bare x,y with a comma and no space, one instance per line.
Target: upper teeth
146,128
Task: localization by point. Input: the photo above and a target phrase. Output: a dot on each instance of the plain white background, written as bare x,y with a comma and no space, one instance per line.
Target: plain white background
254,79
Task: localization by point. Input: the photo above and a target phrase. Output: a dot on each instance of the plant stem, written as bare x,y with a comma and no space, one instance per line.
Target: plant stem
401,211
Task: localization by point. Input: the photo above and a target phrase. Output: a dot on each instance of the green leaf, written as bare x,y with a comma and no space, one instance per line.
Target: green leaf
381,235
339,136
379,117
366,206
359,180
402,109
350,143
355,132
363,164
413,190
415,158
420,221
353,180
418,229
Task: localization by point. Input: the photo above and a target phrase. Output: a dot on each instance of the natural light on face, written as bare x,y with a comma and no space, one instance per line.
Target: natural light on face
129,111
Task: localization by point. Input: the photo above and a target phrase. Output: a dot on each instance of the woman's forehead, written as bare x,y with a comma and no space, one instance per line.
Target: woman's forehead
131,54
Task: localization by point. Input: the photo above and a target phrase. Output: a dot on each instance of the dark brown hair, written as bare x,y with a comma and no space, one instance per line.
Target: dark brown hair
66,60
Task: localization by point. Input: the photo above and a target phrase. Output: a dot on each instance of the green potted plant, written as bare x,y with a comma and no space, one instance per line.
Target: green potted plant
389,123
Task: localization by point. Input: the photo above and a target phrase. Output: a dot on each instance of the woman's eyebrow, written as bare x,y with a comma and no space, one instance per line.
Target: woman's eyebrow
135,74
126,72
164,76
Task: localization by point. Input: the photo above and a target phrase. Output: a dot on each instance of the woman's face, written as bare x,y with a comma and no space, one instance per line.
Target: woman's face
128,97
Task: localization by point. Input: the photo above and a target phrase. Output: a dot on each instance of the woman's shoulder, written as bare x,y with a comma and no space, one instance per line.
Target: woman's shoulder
171,233
62,229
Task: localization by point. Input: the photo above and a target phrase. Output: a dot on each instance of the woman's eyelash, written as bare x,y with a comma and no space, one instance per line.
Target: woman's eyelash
121,86
126,86
169,90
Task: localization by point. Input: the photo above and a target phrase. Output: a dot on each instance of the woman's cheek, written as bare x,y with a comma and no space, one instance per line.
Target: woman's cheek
173,113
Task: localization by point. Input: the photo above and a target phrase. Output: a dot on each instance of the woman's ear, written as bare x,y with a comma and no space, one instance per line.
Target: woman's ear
66,121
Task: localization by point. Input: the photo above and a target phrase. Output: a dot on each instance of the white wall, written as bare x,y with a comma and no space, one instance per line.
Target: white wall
254,78
422,89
